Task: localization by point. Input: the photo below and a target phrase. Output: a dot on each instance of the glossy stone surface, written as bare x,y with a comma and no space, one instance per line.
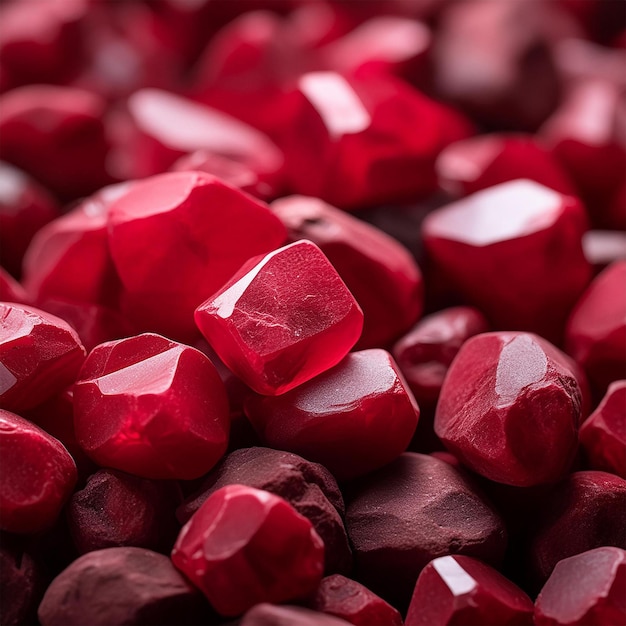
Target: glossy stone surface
602,247
522,395
353,418
38,476
309,487
194,222
381,274
121,586
464,590
40,355
282,319
413,510
473,240
245,546
264,614
596,329
151,407
585,589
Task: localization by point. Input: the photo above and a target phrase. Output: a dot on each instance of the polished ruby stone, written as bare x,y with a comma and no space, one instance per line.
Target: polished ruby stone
265,614
246,546
354,418
40,355
584,589
510,408
282,319
38,476
477,243
151,407
602,247
463,590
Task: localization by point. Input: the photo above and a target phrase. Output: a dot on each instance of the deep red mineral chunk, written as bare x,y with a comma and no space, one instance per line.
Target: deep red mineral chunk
264,614
282,319
464,590
585,589
38,476
151,407
245,546
354,418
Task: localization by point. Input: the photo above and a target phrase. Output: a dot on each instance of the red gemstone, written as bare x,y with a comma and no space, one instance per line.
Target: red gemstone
602,247
282,319
264,614
10,289
246,546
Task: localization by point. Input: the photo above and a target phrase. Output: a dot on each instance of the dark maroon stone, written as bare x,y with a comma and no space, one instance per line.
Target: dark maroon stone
271,615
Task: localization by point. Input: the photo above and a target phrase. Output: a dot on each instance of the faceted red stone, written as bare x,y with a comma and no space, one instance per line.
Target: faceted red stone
38,476
151,407
381,274
282,319
585,589
348,599
603,434
510,407
246,546
596,329
264,614
201,231
477,243
353,418
40,355
463,590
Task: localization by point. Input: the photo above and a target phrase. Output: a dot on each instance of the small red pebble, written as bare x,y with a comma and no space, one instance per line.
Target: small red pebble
353,418
282,319
464,590
151,407
245,546
510,408
40,355
584,589
38,475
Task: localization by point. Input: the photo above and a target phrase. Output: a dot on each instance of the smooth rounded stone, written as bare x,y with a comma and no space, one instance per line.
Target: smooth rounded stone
380,272
416,509
40,355
245,546
476,243
353,418
510,409
309,487
585,589
349,600
282,319
115,509
38,476
584,512
151,407
596,330
264,614
463,590
123,586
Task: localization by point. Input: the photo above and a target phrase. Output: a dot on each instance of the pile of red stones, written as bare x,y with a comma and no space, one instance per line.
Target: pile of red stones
245,244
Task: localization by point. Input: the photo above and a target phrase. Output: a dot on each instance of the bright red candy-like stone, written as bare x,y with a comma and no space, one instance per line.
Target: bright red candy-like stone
282,319
151,407
40,355
463,590
478,242
245,546
38,476
510,407
584,589
354,418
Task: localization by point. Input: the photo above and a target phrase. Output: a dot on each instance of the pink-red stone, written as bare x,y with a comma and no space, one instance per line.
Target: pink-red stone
510,408
38,476
353,418
264,614
245,546
381,274
587,588
10,289
282,319
602,247
477,243
40,355
151,407
464,590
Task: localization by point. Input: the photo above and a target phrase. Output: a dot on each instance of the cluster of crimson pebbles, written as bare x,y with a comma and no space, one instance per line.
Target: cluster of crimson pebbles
313,313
